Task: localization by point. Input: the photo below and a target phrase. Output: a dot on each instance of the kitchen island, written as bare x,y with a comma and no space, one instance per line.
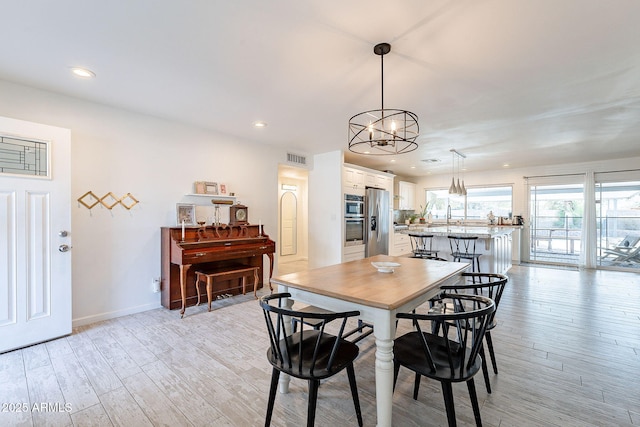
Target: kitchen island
494,243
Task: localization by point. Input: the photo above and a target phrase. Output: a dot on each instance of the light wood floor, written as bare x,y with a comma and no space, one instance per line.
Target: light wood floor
568,348
292,266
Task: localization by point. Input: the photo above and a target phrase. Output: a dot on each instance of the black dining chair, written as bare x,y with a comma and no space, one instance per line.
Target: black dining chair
445,346
490,285
308,354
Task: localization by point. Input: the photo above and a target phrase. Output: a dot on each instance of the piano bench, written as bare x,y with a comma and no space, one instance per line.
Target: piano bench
227,273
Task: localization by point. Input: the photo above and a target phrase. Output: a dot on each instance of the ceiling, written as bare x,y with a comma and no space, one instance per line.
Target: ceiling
523,82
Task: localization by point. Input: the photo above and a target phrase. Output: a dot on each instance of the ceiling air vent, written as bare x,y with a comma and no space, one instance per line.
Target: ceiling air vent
297,159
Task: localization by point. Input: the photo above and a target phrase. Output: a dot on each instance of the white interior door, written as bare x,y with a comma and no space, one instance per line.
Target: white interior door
289,224
35,219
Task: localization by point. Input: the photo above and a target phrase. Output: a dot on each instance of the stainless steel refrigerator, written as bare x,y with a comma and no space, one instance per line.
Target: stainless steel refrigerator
377,222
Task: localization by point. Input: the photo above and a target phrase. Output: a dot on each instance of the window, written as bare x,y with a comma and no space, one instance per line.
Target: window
23,157
479,202
439,200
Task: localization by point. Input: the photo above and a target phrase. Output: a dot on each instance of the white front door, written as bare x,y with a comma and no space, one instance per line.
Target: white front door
35,222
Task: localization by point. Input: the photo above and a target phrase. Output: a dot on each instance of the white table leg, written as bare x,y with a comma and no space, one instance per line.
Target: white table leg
283,382
384,330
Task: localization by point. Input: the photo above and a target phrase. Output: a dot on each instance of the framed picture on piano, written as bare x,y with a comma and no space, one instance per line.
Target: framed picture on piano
185,212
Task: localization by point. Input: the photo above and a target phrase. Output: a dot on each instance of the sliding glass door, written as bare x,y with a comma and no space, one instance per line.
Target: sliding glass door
555,229
596,226
618,223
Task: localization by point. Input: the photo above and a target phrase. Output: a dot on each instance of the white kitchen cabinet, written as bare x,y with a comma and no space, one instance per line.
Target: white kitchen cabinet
353,178
384,182
370,180
356,179
352,253
401,244
378,181
407,192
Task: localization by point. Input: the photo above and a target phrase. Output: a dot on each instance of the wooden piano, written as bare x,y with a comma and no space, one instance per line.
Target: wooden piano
209,247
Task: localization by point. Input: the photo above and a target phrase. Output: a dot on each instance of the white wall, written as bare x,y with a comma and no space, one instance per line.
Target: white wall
116,253
325,210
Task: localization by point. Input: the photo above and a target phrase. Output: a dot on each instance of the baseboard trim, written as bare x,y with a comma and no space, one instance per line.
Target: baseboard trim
82,321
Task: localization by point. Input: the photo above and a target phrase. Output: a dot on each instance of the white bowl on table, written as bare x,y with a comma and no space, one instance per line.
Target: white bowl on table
385,267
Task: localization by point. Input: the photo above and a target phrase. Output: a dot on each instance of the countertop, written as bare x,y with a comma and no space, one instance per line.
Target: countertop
482,232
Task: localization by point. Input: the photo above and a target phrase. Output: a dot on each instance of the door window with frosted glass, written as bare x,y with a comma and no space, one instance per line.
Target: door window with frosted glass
23,157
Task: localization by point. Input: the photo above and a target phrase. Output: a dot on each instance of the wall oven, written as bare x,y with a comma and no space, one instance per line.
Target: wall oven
354,220
354,231
353,206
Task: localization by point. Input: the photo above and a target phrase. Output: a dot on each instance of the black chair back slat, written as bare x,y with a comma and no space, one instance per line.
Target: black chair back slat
273,338
425,348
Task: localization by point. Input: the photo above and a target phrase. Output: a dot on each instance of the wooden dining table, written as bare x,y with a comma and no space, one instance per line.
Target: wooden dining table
378,296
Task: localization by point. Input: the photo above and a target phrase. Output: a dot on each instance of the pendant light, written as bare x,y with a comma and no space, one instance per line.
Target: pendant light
383,131
463,189
458,189
452,188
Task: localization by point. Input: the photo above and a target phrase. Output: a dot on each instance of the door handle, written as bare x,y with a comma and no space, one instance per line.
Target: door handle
64,248
378,235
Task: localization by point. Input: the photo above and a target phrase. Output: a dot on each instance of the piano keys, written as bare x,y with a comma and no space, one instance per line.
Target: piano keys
209,247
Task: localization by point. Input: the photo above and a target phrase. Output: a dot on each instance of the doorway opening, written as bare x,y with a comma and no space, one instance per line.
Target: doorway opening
293,218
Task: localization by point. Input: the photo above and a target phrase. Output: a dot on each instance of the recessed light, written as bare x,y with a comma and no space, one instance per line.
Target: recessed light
393,160
260,124
413,167
83,72
506,165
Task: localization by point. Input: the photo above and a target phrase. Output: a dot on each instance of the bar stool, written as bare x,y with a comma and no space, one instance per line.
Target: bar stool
421,245
464,247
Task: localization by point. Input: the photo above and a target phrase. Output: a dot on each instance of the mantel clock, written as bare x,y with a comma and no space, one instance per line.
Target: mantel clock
238,215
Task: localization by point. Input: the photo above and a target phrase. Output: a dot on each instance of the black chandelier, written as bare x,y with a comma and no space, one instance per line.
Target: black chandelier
383,131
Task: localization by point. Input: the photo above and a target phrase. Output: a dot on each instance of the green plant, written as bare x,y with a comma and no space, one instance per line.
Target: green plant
425,209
